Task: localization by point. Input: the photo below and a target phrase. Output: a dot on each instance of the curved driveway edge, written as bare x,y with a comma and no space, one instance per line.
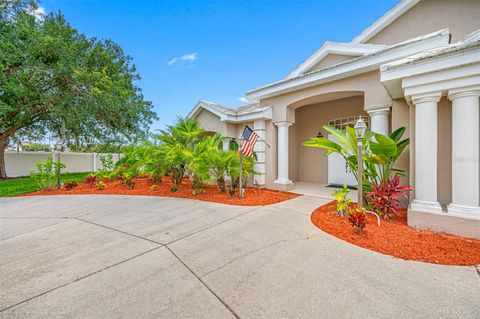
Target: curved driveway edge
152,257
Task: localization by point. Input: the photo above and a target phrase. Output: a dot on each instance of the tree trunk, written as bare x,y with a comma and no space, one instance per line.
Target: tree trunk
3,146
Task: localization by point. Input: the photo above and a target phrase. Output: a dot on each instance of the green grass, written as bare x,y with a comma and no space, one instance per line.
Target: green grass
22,185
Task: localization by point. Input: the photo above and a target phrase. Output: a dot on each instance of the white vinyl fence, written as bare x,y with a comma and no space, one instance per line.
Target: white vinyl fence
21,163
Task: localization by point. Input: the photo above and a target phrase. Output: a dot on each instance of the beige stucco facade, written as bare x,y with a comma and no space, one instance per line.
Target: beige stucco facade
459,16
377,76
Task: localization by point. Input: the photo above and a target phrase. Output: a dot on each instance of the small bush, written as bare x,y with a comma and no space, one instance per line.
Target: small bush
358,219
107,162
343,202
91,180
198,184
128,179
174,189
70,185
231,191
154,188
258,187
47,173
100,185
198,191
384,198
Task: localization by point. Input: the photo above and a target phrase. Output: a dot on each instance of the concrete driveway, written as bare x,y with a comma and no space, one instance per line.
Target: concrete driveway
149,257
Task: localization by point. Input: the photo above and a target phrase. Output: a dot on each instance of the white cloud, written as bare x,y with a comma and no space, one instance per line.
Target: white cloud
243,99
189,57
39,12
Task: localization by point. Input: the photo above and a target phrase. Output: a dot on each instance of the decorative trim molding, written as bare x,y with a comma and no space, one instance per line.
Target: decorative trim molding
382,111
283,124
340,48
463,211
429,97
463,92
424,206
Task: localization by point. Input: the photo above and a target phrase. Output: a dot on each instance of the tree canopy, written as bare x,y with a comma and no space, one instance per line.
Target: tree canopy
53,76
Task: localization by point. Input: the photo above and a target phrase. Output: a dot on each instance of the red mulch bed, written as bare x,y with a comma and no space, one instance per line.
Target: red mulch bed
396,238
143,184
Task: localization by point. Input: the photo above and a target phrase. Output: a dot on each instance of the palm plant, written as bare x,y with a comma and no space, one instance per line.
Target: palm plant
220,162
176,143
380,152
152,161
198,162
247,170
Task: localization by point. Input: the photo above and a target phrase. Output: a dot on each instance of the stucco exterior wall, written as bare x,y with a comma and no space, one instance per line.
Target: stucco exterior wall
311,164
331,59
211,122
400,117
444,176
270,153
367,84
460,16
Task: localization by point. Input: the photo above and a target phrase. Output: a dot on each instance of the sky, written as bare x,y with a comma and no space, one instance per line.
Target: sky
215,50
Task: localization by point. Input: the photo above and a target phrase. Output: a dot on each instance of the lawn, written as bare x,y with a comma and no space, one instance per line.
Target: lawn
22,185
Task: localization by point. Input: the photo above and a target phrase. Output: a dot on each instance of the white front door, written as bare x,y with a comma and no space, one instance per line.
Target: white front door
338,171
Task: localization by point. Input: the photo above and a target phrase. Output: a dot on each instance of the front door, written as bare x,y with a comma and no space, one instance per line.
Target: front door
338,171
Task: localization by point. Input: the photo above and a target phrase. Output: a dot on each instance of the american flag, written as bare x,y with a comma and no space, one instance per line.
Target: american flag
250,138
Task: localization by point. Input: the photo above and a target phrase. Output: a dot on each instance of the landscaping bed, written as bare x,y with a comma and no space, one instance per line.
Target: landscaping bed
396,238
253,196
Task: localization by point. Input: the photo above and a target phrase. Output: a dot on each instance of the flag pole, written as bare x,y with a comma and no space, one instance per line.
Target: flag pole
240,175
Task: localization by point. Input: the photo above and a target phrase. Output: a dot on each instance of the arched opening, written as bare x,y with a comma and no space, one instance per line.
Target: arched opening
309,165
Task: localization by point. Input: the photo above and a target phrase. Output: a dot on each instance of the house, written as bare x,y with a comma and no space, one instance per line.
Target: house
418,67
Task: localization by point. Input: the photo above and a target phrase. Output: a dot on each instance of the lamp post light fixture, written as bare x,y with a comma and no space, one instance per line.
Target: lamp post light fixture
360,129
58,150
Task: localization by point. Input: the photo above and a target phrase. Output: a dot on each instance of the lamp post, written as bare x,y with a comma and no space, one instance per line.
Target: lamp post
240,141
58,150
360,128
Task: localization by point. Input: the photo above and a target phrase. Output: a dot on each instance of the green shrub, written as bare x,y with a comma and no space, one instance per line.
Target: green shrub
128,178
47,173
343,202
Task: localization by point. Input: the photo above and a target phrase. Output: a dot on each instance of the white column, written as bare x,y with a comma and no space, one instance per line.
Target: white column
282,152
226,143
426,139
379,120
465,152
259,166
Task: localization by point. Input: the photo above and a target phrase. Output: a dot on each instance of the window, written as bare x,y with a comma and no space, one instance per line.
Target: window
341,123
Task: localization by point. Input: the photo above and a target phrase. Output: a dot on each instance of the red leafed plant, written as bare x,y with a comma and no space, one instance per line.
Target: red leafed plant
358,219
91,180
384,198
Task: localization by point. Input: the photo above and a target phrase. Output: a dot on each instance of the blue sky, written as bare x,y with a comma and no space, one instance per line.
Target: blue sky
215,50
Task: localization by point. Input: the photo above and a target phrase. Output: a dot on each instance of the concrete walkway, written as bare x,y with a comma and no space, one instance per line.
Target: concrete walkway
149,257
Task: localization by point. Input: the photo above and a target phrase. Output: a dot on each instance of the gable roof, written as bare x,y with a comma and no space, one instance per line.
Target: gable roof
342,48
357,47
247,112
365,63
390,16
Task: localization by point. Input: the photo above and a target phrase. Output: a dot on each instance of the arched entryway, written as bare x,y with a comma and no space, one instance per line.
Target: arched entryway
307,164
